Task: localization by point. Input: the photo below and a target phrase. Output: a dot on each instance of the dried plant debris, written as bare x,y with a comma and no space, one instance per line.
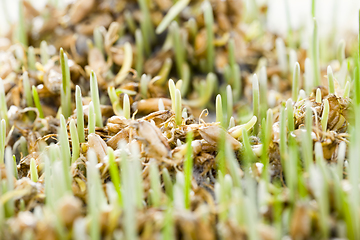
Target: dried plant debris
175,120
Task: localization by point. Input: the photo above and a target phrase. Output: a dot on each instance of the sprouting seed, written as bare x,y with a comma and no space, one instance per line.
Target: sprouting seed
128,58
66,88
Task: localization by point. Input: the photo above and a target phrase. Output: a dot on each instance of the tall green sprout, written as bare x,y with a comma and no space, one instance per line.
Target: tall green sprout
95,99
188,168
66,87
315,55
296,80
65,152
79,115
3,105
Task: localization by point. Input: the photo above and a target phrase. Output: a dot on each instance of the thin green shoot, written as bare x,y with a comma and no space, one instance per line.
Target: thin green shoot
171,15
263,92
130,21
340,53
2,140
144,82
31,58
91,119
347,90
290,115
98,39
186,79
340,160
16,174
188,168
168,183
330,77
219,110
21,30
178,47
209,23
79,115
9,206
307,143
44,55
172,89
178,115
114,174
139,41
75,144
65,152
128,59
115,101
126,106
164,71
33,171
256,97
281,54
27,90
66,88
236,131
296,80
308,83
325,115
318,95
315,55
3,105
95,98
155,184
146,25
231,122
283,136
37,101
229,103
207,88
249,155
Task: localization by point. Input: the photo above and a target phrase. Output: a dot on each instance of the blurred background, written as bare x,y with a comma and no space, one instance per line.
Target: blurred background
341,13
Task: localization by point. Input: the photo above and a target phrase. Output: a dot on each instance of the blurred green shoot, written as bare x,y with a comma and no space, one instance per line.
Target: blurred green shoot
308,83
139,41
155,184
65,152
37,101
126,106
340,53
75,144
315,55
178,115
263,92
21,30
171,15
3,105
290,115
114,174
188,169
98,39
33,170
128,59
229,103
130,21
2,140
27,90
146,25
31,58
347,90
66,87
207,88
318,95
95,98
91,119
164,72
178,46
9,206
168,183
209,23
296,80
330,77
79,115
325,115
256,97
219,110
44,55
281,54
